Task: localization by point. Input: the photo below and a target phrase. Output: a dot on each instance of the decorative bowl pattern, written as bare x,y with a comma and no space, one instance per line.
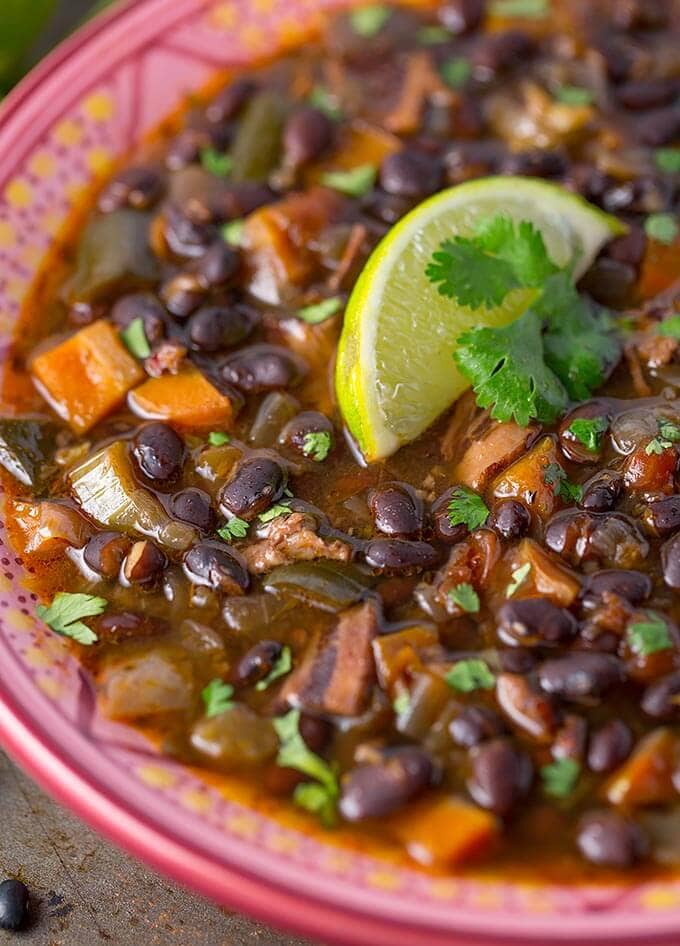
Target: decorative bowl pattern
87,105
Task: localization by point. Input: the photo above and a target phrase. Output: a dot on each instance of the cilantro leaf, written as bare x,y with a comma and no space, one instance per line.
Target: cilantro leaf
467,508
402,703
471,674
588,431
232,232
234,528
555,475
295,754
573,95
217,698
432,35
667,160
455,72
317,800
64,615
135,340
529,9
670,327
662,227
218,438
355,183
368,21
466,273
465,596
216,162
669,430
657,445
278,509
314,314
650,636
508,374
282,666
519,576
521,245
560,777
317,445
324,101
580,346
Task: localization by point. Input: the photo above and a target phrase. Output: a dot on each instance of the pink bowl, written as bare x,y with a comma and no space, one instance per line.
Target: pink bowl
89,103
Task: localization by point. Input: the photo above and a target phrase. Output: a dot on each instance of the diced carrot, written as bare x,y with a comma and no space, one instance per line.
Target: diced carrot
396,652
498,446
646,778
47,528
87,376
187,399
360,144
443,831
525,479
546,577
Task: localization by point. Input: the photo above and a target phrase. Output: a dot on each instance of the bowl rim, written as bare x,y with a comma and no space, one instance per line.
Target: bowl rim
241,880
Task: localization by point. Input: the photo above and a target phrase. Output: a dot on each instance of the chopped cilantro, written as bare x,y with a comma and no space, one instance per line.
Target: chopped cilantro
317,445
216,162
465,596
313,314
217,698
456,72
282,666
232,232
650,636
527,9
432,35
64,615
573,95
368,21
667,160
467,508
218,439
662,227
355,183
588,431
668,430
519,576
471,674
325,102
657,445
320,796
670,327
402,703
234,528
135,338
554,475
560,777
278,509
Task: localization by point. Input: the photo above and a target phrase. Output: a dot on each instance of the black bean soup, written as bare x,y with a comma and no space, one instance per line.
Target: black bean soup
496,694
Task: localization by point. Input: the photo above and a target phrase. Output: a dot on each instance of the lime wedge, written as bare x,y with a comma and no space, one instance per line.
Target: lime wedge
395,372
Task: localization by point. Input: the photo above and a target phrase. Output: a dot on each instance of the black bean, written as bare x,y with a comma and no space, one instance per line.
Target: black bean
642,14
659,127
183,294
610,745
612,539
510,518
257,663
411,173
635,587
516,660
501,775
641,94
230,101
660,698
307,134
159,452
441,521
144,563
572,447
461,16
388,208
601,492
13,904
315,732
215,327
215,566
262,368
588,181
257,484
238,200
187,237
581,674
630,248
124,626
193,506
466,159
663,515
142,306
609,840
136,187
536,163
396,510
475,724
399,556
296,432
218,265
618,55
609,282
535,622
670,562
500,51
376,790
104,553
185,149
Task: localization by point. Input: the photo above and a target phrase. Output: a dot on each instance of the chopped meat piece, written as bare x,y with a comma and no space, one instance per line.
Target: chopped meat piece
293,539
470,562
526,479
497,448
337,672
657,350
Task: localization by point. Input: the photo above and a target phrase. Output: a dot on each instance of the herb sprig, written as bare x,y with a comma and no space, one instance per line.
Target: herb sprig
319,796
65,615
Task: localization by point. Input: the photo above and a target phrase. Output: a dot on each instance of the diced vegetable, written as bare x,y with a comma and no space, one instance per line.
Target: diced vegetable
26,449
330,586
526,479
106,489
235,738
257,146
491,452
545,576
48,528
360,145
397,652
113,254
187,399
646,778
428,695
87,376
146,684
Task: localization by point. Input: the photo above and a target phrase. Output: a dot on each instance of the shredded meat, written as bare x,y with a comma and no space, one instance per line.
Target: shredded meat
167,359
292,539
657,350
